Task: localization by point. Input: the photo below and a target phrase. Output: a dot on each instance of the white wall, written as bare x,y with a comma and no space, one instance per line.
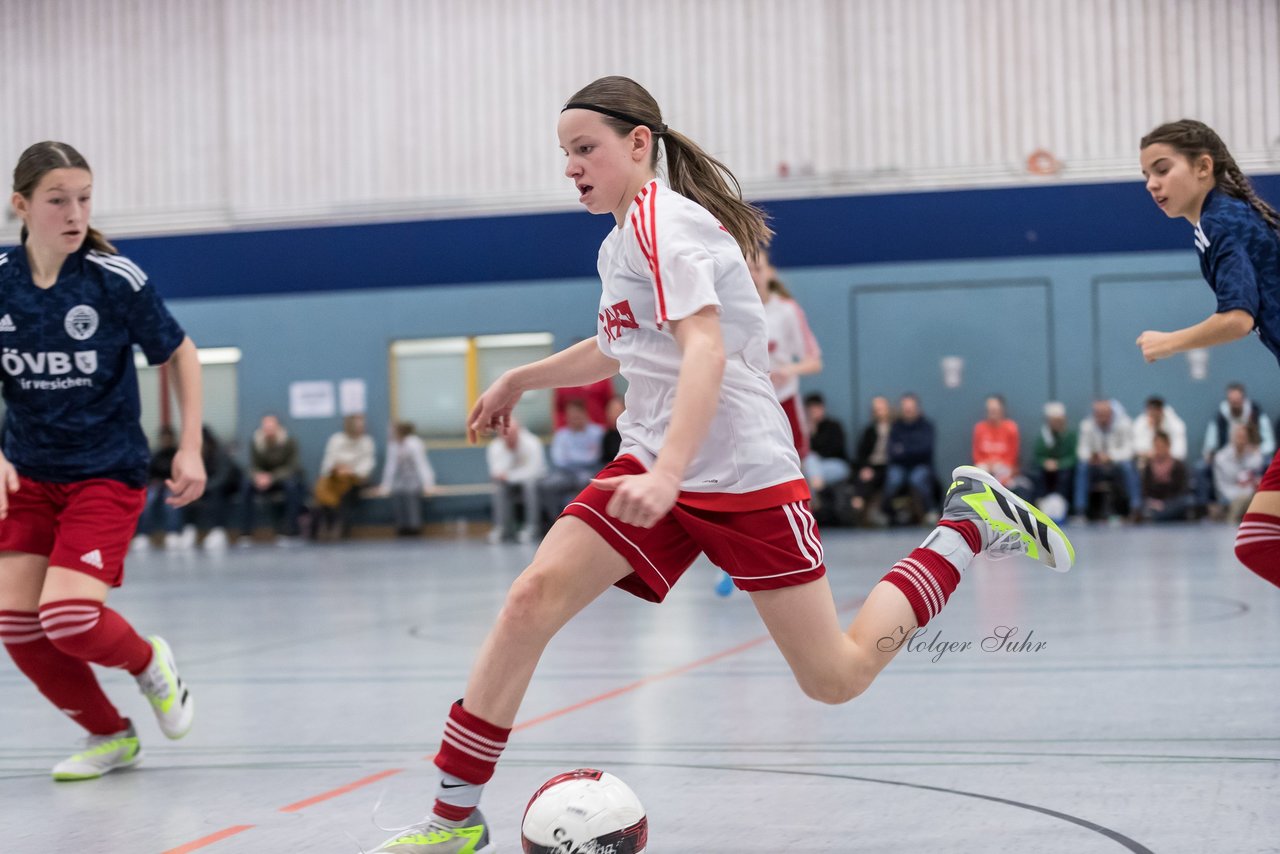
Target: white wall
212,113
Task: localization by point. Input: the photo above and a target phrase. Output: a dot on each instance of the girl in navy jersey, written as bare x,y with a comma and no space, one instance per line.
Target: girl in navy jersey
707,462
1191,174
74,463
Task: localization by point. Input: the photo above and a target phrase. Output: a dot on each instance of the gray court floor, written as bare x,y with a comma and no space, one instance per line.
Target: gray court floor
1148,720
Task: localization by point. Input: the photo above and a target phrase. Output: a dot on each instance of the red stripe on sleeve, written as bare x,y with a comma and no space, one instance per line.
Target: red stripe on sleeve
653,244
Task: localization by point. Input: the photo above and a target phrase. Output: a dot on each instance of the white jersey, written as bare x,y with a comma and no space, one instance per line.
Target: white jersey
790,340
668,260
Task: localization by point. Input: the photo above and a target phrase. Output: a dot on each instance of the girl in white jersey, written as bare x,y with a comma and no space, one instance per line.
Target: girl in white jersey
793,349
707,462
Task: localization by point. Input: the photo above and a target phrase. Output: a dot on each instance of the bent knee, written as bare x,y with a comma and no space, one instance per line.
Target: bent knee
833,689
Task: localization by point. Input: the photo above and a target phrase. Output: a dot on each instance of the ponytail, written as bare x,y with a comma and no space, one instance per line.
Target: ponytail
694,173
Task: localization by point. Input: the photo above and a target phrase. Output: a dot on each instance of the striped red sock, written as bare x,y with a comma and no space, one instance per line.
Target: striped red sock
65,681
90,631
1258,545
927,579
468,756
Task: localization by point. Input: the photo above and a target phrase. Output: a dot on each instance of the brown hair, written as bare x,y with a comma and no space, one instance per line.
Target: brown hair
39,160
690,170
1191,139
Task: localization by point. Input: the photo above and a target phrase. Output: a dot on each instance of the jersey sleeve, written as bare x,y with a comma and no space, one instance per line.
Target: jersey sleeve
1231,273
148,320
680,265
810,346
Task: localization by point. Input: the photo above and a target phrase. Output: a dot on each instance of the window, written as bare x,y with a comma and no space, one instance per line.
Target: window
219,371
435,381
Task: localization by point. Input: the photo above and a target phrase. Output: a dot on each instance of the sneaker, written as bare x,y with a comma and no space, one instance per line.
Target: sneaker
170,699
1008,524
141,543
216,539
494,536
172,542
187,539
437,836
527,535
724,587
102,753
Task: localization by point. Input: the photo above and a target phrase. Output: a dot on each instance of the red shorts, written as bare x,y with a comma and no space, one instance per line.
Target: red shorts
799,435
86,526
1271,479
760,549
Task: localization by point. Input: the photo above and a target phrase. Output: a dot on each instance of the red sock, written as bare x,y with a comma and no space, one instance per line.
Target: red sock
90,631
67,682
1258,545
927,579
467,758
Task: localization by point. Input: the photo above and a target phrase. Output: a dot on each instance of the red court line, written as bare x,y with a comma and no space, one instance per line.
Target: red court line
210,839
590,701
341,790
640,683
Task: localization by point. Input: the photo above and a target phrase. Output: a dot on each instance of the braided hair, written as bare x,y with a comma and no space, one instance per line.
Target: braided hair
1191,139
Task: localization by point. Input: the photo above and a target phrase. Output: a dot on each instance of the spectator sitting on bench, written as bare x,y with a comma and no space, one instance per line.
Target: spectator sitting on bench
348,461
274,470
517,464
407,478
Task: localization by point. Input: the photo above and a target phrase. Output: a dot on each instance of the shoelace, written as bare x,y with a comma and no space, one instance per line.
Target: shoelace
1008,544
154,684
427,825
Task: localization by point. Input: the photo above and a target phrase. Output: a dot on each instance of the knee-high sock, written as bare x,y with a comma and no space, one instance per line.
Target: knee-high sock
90,631
65,681
1258,545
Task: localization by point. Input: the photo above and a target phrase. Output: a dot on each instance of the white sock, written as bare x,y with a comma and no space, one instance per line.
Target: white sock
949,543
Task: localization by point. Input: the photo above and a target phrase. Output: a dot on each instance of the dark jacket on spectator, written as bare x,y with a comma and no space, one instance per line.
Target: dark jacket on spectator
278,459
911,443
827,440
1164,490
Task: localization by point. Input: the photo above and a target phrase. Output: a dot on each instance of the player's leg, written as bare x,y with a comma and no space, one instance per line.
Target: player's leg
87,561
1258,538
979,515
571,568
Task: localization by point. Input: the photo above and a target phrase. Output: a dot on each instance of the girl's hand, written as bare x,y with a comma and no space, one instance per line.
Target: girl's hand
8,483
640,499
188,478
492,412
1155,345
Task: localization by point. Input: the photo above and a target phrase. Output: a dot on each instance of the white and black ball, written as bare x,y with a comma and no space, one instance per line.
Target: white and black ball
584,812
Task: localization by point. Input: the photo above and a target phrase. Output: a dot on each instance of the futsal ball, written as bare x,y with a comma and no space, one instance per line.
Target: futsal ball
584,812
1055,507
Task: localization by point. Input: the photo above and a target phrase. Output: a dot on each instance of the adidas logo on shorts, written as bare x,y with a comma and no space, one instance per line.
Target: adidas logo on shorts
93,558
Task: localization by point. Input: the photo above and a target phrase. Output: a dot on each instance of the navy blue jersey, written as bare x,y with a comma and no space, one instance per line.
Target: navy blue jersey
66,363
1240,259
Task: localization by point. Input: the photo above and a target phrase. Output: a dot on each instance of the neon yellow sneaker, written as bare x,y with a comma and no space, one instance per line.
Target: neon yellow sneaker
436,836
101,754
1008,524
170,699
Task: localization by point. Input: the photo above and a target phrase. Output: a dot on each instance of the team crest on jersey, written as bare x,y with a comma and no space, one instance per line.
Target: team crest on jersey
81,322
87,361
617,318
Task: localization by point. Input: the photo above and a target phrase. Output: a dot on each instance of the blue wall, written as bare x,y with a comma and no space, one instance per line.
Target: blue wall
1042,291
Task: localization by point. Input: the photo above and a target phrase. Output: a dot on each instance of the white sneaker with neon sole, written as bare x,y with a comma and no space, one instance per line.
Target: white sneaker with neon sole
1008,524
163,687
435,836
102,754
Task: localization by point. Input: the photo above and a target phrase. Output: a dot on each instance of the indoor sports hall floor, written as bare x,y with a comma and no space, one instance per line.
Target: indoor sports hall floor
1149,720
